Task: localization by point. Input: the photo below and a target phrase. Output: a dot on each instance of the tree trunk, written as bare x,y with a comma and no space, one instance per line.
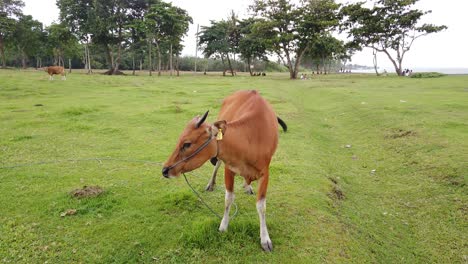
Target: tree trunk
375,62
110,58
69,65
292,73
150,61
230,65
224,65
177,65
88,58
297,64
133,64
159,58
119,53
397,69
2,52
23,60
250,69
170,60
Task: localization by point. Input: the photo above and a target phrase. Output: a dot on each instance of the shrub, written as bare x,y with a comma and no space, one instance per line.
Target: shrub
427,75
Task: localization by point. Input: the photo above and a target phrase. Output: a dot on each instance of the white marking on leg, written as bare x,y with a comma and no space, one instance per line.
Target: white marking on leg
229,198
264,236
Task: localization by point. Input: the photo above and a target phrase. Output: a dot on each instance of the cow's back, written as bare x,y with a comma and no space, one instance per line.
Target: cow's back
55,70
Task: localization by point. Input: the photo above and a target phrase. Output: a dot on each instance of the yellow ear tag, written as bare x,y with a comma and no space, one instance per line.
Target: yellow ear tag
219,136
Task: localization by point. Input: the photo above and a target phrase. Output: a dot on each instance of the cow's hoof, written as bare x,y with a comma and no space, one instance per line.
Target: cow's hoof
210,187
267,245
223,227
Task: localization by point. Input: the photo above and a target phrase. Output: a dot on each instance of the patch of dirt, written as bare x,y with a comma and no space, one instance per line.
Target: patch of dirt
87,191
400,133
332,179
337,193
68,212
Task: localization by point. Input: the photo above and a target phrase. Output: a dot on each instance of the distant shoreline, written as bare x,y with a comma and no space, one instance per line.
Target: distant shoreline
449,71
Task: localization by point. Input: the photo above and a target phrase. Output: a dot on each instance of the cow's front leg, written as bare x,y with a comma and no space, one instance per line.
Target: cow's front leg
212,182
265,240
229,198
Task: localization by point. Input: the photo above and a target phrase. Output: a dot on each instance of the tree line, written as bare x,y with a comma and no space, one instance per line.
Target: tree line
132,34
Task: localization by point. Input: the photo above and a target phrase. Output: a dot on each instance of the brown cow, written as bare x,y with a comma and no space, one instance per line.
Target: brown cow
51,70
246,139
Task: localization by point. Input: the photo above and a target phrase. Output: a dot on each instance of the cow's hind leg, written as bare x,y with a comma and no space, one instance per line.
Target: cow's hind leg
212,182
229,198
261,209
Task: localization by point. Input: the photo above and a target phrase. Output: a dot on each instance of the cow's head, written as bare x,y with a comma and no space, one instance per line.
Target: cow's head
196,145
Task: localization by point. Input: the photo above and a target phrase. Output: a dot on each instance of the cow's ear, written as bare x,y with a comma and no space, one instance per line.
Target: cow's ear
219,126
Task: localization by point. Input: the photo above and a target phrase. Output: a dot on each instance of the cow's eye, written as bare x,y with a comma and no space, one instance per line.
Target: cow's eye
186,145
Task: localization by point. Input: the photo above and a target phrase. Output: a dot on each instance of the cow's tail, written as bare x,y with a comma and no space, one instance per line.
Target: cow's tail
282,124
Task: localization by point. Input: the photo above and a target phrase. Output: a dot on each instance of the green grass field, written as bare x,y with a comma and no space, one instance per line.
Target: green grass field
372,170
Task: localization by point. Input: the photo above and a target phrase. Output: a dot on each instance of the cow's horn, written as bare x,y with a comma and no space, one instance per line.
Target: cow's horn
202,119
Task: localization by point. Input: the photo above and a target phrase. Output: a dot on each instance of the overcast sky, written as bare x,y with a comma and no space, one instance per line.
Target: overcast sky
448,49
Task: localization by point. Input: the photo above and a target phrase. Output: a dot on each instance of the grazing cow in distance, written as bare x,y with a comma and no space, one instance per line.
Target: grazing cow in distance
245,138
51,70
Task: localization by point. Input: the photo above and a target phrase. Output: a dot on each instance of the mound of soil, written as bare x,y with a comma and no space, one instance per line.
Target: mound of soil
112,72
87,191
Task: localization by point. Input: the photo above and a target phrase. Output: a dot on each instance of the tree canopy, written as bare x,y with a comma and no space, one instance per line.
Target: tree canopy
390,26
10,10
289,29
118,34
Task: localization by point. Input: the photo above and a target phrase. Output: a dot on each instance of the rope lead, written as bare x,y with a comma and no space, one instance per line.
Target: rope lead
206,205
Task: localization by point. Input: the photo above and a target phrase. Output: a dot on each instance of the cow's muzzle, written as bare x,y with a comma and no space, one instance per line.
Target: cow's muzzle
165,172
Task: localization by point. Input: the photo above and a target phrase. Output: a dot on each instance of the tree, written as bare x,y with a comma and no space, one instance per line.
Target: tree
9,9
251,45
108,19
137,39
61,41
390,26
156,27
77,15
326,49
176,24
27,37
103,21
219,40
290,28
